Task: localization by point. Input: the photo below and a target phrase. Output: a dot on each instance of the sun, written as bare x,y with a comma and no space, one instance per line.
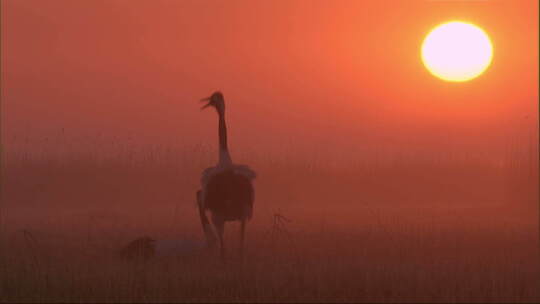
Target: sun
457,51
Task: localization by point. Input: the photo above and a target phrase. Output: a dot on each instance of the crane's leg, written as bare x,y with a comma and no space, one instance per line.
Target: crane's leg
219,223
242,234
208,232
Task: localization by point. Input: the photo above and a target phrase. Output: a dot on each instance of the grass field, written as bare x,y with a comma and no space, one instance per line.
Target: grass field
396,232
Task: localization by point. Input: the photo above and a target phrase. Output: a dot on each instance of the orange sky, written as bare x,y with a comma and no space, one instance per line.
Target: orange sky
301,73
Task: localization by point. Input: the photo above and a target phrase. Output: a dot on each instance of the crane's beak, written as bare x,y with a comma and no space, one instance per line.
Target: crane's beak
208,104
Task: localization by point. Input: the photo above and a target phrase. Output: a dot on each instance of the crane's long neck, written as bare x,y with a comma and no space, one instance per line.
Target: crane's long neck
224,156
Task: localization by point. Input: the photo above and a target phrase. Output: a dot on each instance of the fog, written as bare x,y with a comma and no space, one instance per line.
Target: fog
384,171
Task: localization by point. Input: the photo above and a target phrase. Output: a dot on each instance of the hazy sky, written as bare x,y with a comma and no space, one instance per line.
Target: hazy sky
324,75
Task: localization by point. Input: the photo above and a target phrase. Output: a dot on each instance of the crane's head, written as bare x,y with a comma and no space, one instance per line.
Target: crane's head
216,101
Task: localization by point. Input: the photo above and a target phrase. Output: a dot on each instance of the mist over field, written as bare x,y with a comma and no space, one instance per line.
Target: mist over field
400,229
376,181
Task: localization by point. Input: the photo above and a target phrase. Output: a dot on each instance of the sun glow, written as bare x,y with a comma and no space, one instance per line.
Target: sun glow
457,51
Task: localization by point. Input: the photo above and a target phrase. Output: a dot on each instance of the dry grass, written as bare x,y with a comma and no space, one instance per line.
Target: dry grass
411,266
395,233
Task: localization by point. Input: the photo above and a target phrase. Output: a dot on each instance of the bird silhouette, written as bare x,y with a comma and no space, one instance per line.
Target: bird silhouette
227,189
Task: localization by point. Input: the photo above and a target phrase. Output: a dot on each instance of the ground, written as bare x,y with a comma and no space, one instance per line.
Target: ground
400,233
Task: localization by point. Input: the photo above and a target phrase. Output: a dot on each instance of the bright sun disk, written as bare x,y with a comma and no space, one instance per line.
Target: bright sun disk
457,51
